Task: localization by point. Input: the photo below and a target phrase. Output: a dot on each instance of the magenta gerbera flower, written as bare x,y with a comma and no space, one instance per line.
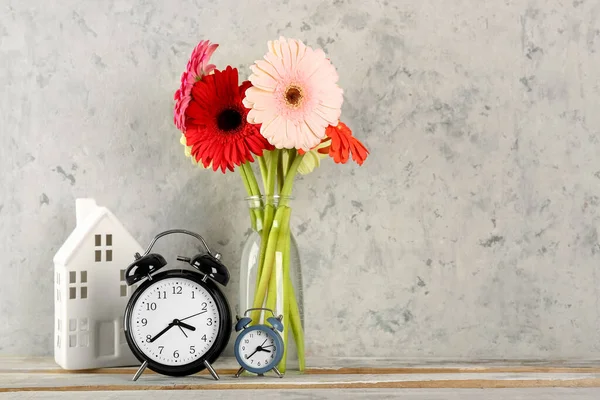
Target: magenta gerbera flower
197,68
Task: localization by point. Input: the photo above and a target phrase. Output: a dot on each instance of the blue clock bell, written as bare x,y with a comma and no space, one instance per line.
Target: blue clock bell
259,348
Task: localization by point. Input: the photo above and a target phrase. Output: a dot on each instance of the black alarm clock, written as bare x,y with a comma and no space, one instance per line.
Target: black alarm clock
177,322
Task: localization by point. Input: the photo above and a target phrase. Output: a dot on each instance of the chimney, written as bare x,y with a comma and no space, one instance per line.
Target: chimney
83,208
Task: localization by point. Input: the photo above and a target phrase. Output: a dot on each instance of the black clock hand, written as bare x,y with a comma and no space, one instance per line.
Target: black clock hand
261,346
247,357
263,349
271,345
182,331
191,316
186,326
172,324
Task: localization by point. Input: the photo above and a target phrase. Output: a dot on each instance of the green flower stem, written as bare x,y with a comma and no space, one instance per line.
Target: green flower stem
251,178
292,312
296,325
286,191
275,237
265,273
279,248
281,233
284,230
285,161
245,181
276,243
255,190
271,176
266,229
271,301
284,239
249,190
286,331
291,156
268,213
263,170
280,175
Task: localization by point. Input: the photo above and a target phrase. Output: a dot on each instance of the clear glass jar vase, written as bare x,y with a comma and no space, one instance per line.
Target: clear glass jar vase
270,265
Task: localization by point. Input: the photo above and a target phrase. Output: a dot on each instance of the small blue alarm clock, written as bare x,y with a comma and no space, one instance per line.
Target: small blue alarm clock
259,348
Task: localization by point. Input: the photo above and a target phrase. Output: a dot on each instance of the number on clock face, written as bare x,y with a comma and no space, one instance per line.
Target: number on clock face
257,348
174,321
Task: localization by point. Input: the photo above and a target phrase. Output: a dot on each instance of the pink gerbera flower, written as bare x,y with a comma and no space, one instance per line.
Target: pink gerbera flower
197,68
294,96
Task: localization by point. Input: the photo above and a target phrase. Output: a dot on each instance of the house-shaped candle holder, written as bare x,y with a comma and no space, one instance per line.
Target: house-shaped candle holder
90,291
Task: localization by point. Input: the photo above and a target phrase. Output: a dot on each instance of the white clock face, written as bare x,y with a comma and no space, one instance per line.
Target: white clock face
174,321
257,348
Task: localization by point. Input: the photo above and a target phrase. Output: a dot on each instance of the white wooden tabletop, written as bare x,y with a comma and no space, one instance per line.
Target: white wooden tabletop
41,378
342,394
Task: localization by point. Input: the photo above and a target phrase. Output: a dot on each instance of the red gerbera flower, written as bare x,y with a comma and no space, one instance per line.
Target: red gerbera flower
216,126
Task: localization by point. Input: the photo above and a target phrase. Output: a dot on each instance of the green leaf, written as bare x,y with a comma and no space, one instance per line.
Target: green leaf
312,159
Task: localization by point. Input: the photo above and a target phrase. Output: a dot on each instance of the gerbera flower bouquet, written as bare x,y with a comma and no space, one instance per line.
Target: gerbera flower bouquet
280,122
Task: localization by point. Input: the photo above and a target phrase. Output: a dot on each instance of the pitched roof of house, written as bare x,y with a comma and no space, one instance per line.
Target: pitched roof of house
85,228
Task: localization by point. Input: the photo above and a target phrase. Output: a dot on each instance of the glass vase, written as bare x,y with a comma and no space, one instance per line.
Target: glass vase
271,274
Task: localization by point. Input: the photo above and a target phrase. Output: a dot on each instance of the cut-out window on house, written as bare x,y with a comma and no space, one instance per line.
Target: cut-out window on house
57,294
132,289
58,325
99,248
122,339
123,287
58,278
58,341
78,332
84,339
73,284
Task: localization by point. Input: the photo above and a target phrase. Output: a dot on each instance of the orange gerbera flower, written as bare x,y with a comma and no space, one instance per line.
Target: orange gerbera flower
343,144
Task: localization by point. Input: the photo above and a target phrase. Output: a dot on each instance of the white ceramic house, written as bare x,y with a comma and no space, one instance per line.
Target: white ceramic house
90,291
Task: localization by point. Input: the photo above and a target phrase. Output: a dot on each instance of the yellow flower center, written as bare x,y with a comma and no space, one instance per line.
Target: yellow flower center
294,96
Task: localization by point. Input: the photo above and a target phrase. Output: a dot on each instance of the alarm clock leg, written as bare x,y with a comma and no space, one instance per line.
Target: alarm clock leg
140,371
211,370
240,371
277,372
